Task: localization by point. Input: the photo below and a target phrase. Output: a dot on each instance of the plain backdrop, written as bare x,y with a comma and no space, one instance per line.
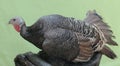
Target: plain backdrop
11,43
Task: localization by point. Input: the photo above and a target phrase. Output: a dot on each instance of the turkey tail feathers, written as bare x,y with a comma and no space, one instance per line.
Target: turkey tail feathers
108,52
101,27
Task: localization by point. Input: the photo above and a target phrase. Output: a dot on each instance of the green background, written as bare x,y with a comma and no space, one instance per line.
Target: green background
11,43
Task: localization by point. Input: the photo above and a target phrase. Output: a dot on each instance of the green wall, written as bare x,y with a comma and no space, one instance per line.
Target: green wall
11,42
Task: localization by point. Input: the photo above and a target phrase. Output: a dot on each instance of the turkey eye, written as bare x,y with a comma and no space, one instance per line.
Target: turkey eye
14,19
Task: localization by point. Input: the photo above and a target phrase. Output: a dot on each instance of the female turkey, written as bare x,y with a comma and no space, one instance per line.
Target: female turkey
68,38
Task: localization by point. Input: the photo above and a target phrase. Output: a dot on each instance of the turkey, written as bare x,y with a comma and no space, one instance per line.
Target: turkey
68,38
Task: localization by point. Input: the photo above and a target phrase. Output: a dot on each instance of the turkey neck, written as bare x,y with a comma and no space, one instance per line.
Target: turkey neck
23,29
32,34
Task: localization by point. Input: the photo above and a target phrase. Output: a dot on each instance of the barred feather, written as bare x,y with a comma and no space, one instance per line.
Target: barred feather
108,52
92,34
103,29
105,34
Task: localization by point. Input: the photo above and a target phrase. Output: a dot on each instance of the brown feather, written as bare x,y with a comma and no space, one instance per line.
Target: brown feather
103,29
108,52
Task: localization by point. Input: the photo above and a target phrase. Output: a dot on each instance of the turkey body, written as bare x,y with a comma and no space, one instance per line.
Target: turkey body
65,37
56,41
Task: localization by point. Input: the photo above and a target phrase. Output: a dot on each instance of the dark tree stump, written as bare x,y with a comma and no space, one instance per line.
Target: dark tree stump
42,59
